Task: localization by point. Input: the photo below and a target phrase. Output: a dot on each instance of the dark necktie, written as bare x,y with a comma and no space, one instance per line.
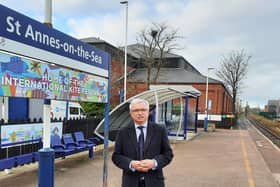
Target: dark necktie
141,143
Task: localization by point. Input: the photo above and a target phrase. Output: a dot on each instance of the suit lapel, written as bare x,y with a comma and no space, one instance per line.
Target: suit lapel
132,136
150,132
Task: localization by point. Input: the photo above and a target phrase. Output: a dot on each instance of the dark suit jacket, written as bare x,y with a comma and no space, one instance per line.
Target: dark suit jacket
156,147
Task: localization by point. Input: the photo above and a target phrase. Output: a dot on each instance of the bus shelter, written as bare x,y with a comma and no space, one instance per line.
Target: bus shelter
161,98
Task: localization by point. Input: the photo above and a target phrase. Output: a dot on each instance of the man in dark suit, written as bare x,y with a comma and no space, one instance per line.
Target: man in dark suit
142,149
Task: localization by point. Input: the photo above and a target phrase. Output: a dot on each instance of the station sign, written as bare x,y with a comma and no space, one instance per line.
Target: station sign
22,35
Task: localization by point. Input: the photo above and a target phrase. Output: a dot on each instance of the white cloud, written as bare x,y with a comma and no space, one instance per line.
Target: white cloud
85,8
36,11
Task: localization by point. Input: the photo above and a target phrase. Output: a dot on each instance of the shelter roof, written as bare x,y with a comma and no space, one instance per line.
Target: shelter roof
120,117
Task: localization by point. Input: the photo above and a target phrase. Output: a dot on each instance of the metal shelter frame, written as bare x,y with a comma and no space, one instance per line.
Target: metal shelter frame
158,94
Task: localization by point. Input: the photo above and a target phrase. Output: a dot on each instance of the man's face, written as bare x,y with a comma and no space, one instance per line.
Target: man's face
139,113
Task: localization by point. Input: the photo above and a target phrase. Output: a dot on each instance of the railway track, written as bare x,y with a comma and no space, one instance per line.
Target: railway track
266,131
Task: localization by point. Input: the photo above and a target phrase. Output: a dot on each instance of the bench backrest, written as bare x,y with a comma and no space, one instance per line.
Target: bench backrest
55,140
79,136
67,138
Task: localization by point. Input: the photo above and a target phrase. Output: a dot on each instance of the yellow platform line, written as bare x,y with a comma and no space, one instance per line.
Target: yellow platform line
251,182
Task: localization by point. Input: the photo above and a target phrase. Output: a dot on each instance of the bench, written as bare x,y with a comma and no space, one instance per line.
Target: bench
59,148
7,163
79,146
69,146
19,160
79,137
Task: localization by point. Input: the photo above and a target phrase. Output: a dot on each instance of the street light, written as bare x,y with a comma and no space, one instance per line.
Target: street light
125,49
206,101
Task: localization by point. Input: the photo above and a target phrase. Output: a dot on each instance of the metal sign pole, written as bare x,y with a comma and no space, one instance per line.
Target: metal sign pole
106,133
46,155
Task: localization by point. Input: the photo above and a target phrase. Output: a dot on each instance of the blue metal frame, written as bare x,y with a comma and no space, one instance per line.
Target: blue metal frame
186,129
196,115
46,163
153,116
106,132
186,117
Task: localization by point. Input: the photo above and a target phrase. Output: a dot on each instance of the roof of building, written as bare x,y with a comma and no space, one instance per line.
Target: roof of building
137,50
166,75
93,40
172,75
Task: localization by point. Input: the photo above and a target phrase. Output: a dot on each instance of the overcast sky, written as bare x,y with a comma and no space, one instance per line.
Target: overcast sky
211,29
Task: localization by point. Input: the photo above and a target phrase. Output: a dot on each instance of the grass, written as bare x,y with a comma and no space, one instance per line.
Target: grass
271,124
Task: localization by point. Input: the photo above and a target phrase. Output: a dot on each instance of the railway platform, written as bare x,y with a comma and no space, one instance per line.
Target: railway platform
223,158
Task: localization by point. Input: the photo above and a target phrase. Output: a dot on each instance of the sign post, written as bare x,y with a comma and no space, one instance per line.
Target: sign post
46,155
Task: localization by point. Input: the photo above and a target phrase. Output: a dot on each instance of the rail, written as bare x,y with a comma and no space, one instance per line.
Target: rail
266,131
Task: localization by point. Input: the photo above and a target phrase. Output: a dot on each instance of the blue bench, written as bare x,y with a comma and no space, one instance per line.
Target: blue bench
80,139
24,159
7,163
19,160
69,146
79,146
59,148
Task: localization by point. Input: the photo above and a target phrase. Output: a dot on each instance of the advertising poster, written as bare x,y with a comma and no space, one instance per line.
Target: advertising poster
22,77
24,132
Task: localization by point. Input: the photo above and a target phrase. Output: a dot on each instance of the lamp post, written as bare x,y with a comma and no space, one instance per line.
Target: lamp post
206,102
125,49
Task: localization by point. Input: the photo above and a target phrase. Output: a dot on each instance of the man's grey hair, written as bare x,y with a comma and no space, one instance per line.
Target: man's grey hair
138,100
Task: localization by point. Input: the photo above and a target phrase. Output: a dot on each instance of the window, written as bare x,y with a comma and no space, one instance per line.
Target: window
74,110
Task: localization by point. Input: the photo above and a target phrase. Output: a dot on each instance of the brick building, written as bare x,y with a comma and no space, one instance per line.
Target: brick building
116,67
176,70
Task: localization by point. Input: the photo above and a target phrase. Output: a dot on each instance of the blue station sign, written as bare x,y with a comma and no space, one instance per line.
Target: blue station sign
22,35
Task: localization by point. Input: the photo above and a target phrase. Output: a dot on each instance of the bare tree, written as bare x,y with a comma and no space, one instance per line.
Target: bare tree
232,72
157,41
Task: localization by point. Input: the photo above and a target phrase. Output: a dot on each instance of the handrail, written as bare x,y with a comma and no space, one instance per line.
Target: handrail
21,142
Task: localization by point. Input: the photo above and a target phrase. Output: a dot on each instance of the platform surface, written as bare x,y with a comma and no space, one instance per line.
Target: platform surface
223,158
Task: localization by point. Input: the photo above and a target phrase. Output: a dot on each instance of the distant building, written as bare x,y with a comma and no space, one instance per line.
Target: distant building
176,70
274,106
